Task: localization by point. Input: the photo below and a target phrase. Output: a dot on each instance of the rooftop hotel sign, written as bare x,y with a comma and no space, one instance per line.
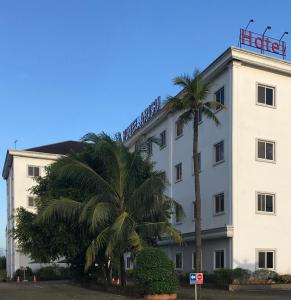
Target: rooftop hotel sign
140,121
263,43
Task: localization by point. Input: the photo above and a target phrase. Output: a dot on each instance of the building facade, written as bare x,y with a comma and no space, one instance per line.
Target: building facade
20,169
244,166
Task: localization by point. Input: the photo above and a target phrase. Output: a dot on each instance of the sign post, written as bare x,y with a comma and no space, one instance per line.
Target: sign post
194,279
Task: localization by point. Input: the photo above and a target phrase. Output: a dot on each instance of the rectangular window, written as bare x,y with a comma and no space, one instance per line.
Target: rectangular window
128,262
149,148
266,259
266,95
266,150
219,203
178,217
219,259
179,129
219,96
33,171
266,203
178,169
179,261
163,141
31,201
219,152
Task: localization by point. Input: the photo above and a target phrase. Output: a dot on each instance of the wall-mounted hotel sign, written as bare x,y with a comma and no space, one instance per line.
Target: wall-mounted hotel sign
262,42
140,121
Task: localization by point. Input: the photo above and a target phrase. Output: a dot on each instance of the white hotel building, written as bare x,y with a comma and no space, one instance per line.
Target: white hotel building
245,164
20,169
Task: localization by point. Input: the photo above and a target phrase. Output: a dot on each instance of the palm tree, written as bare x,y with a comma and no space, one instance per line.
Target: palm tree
191,101
128,208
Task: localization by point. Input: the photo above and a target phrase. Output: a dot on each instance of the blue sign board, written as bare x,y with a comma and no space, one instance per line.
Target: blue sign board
192,278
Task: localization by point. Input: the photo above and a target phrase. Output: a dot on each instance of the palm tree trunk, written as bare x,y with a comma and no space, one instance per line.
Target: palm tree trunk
198,242
122,270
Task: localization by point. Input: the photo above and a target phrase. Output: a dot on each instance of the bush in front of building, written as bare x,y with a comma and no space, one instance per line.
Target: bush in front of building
155,272
2,263
265,276
3,276
53,273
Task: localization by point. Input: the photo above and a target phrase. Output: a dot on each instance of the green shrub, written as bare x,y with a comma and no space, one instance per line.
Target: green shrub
223,277
241,275
53,273
3,276
20,273
286,278
264,274
155,272
2,263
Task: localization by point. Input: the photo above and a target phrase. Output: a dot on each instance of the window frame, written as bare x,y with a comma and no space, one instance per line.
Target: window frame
215,213
165,138
274,95
215,95
214,148
178,122
266,250
274,150
34,198
179,269
181,178
264,212
33,166
224,258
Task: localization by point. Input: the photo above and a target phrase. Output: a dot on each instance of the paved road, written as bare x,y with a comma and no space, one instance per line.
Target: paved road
65,291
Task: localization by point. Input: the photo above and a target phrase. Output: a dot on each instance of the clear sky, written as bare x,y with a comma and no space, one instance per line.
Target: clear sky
69,67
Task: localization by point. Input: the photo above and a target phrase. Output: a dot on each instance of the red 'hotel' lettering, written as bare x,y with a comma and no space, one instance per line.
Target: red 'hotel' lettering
260,42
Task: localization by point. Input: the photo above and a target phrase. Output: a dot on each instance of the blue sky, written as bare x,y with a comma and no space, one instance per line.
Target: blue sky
70,67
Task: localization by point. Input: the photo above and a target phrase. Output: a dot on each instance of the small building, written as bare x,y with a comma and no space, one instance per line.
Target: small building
244,166
20,169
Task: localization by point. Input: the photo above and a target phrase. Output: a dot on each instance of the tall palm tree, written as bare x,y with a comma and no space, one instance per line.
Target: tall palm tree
128,208
192,102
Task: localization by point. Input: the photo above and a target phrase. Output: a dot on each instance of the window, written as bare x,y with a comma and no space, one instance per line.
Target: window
128,262
33,171
179,261
179,129
219,259
266,259
219,152
266,95
266,150
178,169
149,148
265,203
219,96
178,216
163,139
31,201
219,204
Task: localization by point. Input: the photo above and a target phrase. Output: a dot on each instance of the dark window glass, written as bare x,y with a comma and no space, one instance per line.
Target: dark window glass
270,260
36,171
128,262
179,128
261,94
261,205
219,96
262,260
179,172
163,139
269,96
261,149
179,261
219,152
31,201
150,148
219,203
30,171
269,151
219,259
269,203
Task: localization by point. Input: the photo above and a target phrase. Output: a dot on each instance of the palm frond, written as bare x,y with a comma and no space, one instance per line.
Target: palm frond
62,208
210,114
102,214
186,116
